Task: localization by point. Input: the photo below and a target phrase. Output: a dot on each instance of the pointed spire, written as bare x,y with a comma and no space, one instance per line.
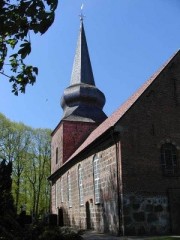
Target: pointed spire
82,100
82,70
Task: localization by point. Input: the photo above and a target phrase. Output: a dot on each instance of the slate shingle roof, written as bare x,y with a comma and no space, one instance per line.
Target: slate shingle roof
82,69
82,100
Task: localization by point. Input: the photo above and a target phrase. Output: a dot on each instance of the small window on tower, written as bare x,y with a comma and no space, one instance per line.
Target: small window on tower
56,155
169,159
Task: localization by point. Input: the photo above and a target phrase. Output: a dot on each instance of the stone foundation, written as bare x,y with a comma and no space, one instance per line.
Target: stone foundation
146,215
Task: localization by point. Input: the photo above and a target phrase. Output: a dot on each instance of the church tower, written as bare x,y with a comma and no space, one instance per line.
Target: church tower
82,100
82,104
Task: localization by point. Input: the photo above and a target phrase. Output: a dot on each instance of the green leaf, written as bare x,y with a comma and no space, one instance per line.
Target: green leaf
25,49
12,42
35,69
14,55
19,18
52,3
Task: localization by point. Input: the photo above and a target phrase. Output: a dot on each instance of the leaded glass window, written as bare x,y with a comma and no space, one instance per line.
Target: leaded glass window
169,159
96,171
56,194
69,190
61,190
80,178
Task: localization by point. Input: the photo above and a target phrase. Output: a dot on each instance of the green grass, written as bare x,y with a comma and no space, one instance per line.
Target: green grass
164,238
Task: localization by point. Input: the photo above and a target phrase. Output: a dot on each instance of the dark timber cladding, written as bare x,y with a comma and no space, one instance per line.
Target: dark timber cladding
82,100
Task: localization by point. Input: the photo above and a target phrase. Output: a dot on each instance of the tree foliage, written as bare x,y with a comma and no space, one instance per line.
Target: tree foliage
7,211
18,20
38,169
28,150
6,200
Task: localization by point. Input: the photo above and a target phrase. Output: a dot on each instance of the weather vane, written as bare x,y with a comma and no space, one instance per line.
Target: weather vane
81,14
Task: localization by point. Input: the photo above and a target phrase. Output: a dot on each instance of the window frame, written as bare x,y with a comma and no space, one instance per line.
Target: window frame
80,185
96,179
57,153
56,194
61,190
169,160
69,190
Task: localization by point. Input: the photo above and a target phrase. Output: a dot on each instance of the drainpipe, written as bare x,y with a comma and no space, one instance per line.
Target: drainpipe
115,136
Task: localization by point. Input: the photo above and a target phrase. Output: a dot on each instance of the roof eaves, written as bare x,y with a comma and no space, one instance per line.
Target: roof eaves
56,128
115,117
65,165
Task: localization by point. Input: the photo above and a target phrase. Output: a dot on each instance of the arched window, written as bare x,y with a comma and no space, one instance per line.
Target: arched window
69,190
169,159
96,172
61,189
56,194
80,179
56,155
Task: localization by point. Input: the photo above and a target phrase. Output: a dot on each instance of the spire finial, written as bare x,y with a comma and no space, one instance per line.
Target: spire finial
81,14
82,100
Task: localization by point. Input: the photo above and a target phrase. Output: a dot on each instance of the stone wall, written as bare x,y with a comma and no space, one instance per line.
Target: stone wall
150,122
102,217
146,215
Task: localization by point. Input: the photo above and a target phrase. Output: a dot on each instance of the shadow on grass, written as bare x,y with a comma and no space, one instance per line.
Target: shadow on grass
164,238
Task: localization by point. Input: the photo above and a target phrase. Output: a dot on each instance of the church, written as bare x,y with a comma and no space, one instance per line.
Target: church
118,174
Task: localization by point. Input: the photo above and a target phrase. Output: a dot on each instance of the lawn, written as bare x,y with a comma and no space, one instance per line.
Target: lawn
165,238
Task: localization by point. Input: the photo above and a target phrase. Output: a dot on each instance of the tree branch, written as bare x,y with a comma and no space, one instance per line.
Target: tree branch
5,74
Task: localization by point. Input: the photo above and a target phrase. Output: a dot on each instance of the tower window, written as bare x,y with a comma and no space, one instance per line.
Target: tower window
169,159
96,172
80,178
56,155
69,190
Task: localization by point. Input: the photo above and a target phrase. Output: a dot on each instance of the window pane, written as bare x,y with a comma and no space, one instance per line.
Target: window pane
169,159
81,197
69,191
96,179
56,155
61,189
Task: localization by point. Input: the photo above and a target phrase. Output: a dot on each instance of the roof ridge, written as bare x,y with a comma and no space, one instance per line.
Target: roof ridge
124,107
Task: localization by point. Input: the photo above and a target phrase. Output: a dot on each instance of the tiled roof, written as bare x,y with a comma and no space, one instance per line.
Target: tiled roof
114,118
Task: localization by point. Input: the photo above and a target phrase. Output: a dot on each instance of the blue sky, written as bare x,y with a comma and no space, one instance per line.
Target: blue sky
128,41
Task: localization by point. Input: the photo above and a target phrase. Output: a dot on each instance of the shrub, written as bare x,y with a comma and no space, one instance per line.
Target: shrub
57,233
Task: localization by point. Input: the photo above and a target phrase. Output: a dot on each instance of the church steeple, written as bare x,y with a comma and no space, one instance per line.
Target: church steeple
82,70
82,100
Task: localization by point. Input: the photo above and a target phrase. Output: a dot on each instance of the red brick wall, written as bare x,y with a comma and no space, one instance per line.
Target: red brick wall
67,138
154,119
57,142
74,134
